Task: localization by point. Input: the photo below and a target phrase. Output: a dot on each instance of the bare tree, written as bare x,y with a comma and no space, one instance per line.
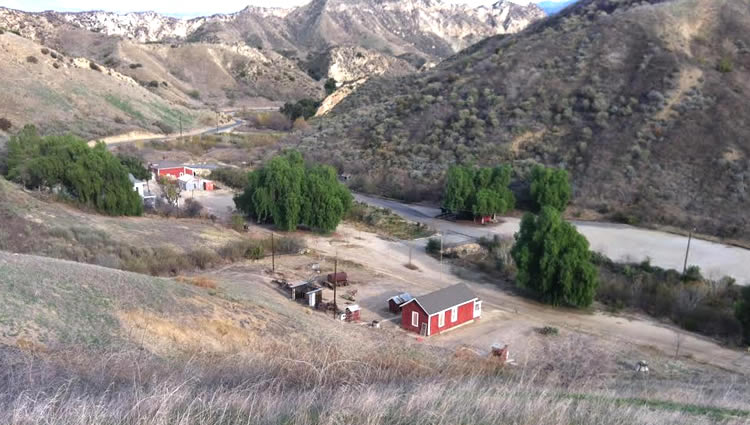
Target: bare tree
171,190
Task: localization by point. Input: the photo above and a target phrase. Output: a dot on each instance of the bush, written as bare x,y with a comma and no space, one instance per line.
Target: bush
56,65
5,124
305,108
232,177
192,208
32,59
692,274
330,86
153,84
92,176
164,127
45,50
725,65
238,222
742,312
195,94
433,246
204,258
549,331
95,67
550,188
554,260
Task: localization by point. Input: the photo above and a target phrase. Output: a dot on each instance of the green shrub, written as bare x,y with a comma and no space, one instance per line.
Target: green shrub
305,108
692,274
549,331
134,166
232,177
135,65
195,94
554,260
330,86
742,312
32,59
45,50
725,65
204,258
433,246
95,67
550,188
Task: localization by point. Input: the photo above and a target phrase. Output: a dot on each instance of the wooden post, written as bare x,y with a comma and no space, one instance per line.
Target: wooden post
335,283
273,254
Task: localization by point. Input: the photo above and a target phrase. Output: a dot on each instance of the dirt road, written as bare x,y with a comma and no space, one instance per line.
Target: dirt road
617,241
506,317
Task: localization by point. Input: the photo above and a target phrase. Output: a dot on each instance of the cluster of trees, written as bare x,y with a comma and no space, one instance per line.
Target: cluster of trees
134,166
289,193
479,191
92,176
305,108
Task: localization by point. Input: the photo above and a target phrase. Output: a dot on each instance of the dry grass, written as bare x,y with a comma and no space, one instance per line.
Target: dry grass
199,281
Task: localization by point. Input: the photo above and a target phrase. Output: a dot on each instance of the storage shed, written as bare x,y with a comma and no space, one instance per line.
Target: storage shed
352,313
441,310
339,278
395,302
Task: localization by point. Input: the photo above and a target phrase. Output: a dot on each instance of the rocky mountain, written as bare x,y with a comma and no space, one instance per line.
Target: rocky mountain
642,101
427,27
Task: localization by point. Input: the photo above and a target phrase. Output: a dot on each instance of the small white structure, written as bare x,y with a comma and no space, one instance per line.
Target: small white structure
188,182
141,187
641,366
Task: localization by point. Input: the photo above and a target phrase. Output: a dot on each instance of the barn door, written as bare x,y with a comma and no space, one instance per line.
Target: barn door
423,331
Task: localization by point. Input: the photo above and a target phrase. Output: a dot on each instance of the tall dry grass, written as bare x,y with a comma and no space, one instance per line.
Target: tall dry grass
328,383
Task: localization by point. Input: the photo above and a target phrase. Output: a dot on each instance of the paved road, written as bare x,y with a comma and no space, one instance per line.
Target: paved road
617,241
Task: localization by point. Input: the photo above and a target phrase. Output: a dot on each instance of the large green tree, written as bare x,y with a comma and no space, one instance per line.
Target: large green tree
92,176
288,193
135,167
550,188
554,260
479,191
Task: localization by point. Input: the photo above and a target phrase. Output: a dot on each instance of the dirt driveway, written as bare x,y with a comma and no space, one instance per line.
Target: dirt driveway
506,317
217,202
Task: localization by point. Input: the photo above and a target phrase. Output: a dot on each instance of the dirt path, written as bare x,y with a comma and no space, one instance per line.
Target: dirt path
508,317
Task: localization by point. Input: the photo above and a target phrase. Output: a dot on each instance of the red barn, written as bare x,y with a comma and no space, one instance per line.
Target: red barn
170,169
441,310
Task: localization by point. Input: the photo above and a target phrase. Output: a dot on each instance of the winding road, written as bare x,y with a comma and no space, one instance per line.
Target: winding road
617,241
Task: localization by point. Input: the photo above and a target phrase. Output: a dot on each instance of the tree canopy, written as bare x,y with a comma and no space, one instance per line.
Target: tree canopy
330,86
554,260
479,191
550,188
135,167
305,108
288,193
91,176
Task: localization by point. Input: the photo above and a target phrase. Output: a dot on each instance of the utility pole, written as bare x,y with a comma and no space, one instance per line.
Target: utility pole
335,283
410,248
180,126
273,254
217,121
687,252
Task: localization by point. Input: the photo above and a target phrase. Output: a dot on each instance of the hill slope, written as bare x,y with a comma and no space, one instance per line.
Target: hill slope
638,100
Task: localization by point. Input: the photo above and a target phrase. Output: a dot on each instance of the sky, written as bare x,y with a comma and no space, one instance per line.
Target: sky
185,8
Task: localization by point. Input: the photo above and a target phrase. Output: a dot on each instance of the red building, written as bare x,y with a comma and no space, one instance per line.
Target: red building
170,169
441,310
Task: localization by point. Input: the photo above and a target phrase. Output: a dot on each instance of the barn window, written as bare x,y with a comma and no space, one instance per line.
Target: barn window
454,314
414,318
441,319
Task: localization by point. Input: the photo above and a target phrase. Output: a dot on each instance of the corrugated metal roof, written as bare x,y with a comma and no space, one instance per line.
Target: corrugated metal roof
445,298
167,164
401,298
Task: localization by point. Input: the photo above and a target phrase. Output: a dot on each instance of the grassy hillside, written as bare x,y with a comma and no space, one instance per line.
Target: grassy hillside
58,93
100,346
637,99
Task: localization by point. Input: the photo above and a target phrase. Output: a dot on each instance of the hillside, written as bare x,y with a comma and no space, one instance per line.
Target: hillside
427,27
57,93
638,100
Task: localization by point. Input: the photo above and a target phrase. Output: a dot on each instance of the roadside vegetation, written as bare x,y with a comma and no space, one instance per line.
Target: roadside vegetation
385,222
92,177
289,193
234,178
478,191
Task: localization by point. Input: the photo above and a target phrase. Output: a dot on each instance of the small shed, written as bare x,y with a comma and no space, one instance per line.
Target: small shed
188,182
352,313
339,278
395,302
313,297
299,289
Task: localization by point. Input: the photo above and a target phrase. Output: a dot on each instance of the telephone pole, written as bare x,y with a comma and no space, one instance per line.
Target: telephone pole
687,252
180,126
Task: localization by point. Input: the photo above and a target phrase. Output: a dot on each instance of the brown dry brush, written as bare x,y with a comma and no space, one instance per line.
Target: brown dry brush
326,383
